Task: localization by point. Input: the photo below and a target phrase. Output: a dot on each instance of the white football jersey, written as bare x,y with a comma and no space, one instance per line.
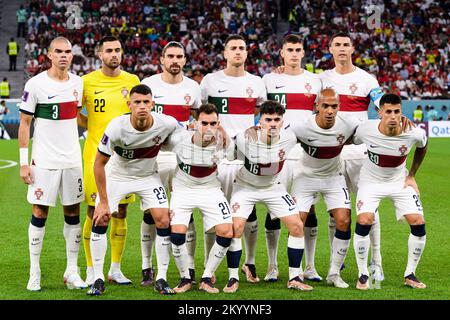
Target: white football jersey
133,153
54,106
356,89
175,100
197,166
262,162
235,99
323,147
296,93
386,161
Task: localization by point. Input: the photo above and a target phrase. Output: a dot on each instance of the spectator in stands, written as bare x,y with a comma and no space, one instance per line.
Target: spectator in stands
3,111
21,21
418,114
12,49
432,115
5,89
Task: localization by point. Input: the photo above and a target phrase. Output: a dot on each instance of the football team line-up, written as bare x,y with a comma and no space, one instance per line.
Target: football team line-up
313,137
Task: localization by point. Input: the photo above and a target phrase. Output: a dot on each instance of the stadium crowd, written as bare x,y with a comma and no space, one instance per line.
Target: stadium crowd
409,53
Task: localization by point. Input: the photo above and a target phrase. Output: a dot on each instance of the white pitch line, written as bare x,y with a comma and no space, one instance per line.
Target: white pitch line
9,165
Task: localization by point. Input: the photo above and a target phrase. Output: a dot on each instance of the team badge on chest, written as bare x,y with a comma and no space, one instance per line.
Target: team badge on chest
340,138
353,88
403,149
187,99
281,154
124,92
249,92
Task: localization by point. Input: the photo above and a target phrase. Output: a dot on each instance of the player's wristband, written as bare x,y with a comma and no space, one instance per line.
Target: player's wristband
23,156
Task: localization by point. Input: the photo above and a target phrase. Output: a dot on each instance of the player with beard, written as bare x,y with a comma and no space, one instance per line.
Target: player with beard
177,96
106,92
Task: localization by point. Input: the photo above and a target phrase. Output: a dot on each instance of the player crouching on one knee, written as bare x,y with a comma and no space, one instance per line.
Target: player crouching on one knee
130,144
198,153
384,175
264,153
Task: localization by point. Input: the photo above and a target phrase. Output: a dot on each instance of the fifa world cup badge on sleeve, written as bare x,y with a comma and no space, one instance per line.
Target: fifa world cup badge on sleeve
105,139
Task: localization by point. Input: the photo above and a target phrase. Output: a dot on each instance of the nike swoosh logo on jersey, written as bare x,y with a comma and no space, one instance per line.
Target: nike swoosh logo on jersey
127,144
220,91
157,97
97,92
51,97
373,146
128,197
278,87
310,140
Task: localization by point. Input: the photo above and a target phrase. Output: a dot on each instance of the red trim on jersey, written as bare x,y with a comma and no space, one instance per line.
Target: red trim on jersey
68,110
353,103
300,101
322,152
241,105
201,172
390,161
179,112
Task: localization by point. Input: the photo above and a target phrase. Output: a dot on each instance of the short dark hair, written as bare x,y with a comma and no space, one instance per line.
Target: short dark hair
271,107
233,37
141,89
342,34
292,38
173,44
207,108
390,98
107,39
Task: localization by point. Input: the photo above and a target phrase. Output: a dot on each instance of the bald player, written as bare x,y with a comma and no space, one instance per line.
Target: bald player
53,99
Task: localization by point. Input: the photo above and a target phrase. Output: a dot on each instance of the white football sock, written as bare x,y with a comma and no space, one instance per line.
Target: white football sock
72,235
361,246
250,239
340,248
180,255
272,239
190,245
415,250
98,246
163,249
310,245
148,236
35,242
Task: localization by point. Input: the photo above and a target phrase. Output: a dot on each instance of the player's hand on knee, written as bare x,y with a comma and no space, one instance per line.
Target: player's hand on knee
25,174
102,214
411,182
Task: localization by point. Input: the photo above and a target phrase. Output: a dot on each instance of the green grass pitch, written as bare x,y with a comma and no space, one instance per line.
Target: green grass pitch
434,270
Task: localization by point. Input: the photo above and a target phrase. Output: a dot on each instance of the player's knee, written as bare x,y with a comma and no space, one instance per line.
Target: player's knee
343,223
365,219
225,232
418,230
40,211
416,219
296,229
